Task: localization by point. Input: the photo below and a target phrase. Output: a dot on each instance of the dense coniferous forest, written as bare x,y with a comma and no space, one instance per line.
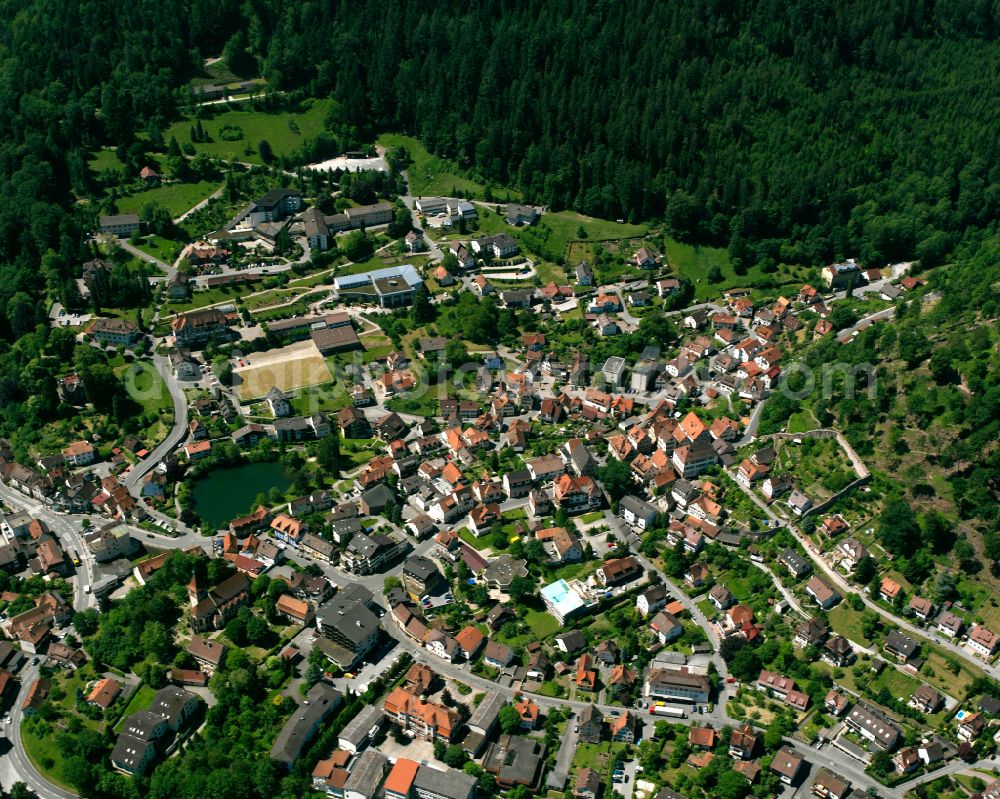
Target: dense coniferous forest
794,133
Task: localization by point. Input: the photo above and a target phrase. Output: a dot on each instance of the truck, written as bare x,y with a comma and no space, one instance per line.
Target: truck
660,709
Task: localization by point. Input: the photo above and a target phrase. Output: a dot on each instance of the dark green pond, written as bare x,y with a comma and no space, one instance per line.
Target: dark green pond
229,491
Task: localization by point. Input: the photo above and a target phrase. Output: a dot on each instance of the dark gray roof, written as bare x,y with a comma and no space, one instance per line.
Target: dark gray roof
572,640
420,568
638,506
320,702
169,702
487,712
349,616
129,751
450,783
903,644
275,196
143,725
366,774
357,729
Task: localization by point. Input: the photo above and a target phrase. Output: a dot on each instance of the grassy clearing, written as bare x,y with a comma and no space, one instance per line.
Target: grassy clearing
695,261
103,160
431,175
175,197
285,131
847,622
566,225
802,421
158,247
200,299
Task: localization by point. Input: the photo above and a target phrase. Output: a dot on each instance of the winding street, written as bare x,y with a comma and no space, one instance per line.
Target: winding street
14,763
845,588
174,437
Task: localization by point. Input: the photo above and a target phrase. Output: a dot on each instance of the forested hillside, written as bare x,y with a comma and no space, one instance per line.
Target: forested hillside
931,422
793,133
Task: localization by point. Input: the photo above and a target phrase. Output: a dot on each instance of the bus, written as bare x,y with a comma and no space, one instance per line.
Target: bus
75,557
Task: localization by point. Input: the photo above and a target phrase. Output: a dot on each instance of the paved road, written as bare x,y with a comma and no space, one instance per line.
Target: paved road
67,529
145,256
564,757
751,432
847,333
788,595
202,204
14,763
845,588
174,437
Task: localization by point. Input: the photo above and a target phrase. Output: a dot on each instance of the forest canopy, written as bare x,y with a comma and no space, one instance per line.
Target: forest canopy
787,132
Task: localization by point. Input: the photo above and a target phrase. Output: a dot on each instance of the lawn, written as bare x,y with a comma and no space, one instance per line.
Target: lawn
694,261
593,516
145,386
140,700
268,298
285,131
175,197
320,399
566,225
158,247
297,308
847,622
44,753
199,299
470,538
324,276
430,175
542,624
376,347
425,405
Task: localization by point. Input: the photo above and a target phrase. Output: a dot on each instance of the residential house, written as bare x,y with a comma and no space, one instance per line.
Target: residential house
651,600
874,726
926,699
497,655
983,641
787,764
825,596
900,646
666,627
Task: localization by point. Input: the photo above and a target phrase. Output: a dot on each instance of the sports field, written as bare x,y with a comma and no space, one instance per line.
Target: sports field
287,368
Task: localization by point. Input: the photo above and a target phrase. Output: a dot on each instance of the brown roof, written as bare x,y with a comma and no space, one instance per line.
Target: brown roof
787,762
702,736
202,648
